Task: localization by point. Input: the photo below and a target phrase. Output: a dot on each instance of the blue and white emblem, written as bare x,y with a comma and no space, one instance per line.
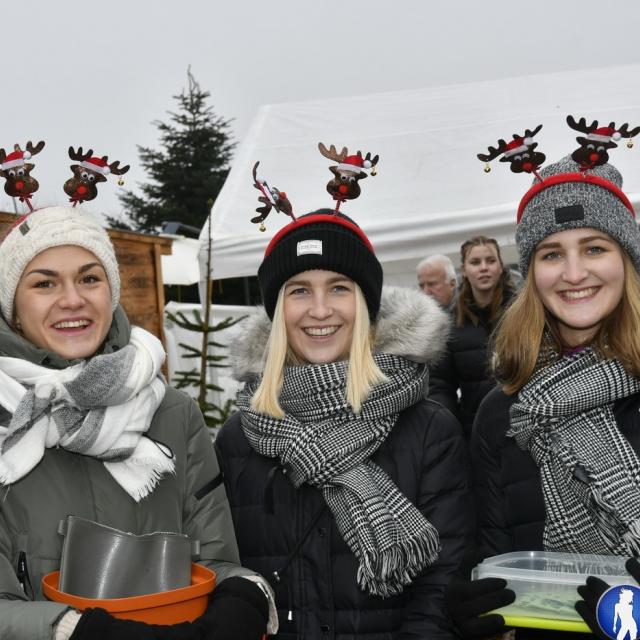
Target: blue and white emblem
618,612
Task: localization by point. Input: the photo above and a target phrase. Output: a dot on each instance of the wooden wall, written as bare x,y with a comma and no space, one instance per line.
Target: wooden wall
140,272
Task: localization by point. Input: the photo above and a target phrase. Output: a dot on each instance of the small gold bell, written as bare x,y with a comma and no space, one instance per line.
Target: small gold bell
487,168
374,172
630,144
120,182
262,227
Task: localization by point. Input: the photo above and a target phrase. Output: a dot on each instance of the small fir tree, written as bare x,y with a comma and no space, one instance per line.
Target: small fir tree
188,169
214,415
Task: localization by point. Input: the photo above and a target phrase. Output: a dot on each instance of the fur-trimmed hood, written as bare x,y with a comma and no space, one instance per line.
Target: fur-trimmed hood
409,324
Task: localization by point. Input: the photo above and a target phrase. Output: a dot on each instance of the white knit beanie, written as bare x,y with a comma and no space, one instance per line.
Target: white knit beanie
53,227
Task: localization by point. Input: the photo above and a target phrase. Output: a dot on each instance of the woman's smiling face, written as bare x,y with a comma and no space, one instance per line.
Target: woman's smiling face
63,302
579,275
482,267
319,315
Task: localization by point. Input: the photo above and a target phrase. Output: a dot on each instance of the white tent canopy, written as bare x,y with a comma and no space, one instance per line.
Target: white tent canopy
431,192
181,267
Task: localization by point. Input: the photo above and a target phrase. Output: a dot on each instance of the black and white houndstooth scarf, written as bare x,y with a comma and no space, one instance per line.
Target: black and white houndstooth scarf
590,474
321,442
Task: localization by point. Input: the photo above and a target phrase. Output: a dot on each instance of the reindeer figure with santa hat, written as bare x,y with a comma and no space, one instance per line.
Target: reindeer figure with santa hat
592,151
351,169
91,170
15,169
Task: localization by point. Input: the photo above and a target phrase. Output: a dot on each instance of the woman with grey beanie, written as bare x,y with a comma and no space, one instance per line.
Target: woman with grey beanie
89,427
556,449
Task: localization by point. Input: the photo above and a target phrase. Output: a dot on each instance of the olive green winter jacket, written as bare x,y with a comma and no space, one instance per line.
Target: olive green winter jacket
193,501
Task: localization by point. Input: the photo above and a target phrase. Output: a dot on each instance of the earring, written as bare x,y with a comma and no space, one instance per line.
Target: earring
18,325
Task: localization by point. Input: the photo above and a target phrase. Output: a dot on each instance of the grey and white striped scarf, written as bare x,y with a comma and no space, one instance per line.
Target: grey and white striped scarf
590,474
100,408
321,442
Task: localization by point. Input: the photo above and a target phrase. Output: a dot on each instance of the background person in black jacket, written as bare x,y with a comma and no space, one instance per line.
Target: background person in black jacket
347,488
555,451
461,379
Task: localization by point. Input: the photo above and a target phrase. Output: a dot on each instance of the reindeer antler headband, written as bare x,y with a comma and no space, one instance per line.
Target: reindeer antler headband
591,153
343,186
16,170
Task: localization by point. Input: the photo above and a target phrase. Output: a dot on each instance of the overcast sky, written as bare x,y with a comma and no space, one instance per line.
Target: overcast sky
98,74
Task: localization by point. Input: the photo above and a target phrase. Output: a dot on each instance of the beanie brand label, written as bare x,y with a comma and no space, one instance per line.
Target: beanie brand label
306,247
24,228
569,214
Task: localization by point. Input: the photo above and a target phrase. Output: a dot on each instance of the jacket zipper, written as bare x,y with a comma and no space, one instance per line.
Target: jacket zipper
23,575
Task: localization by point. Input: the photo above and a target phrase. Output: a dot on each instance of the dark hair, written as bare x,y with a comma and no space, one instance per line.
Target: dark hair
503,292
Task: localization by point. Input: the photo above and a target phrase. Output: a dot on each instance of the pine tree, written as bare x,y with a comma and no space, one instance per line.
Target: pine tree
186,172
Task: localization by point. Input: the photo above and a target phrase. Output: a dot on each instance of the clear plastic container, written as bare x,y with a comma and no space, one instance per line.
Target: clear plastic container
545,582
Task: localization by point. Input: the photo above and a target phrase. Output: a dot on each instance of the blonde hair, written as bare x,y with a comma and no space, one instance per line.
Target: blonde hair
519,337
362,373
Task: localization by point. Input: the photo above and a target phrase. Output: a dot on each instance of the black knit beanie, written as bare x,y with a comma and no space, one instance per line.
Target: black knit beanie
321,240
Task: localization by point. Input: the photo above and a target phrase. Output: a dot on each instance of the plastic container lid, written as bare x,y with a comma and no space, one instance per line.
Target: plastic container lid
545,584
168,607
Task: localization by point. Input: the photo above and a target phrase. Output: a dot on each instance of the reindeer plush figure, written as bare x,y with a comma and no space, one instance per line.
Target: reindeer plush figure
592,151
271,198
15,170
91,170
520,152
351,169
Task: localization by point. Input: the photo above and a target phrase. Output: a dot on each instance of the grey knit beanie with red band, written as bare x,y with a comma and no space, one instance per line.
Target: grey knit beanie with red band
321,240
568,198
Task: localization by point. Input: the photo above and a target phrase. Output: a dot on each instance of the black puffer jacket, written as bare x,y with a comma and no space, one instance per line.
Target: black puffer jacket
464,367
509,503
425,456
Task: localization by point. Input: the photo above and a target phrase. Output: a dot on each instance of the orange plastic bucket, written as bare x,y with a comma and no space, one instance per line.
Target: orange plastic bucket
167,607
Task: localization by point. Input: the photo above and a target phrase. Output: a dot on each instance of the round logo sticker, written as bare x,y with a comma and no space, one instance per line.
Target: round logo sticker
618,612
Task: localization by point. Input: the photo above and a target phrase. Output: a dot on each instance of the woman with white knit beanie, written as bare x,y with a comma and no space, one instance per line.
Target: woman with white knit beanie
89,427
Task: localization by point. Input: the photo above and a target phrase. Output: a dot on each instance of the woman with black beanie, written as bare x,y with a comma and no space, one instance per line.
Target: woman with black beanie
348,489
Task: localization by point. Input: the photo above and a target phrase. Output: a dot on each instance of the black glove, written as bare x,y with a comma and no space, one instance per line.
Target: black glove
633,567
238,610
466,600
97,624
591,592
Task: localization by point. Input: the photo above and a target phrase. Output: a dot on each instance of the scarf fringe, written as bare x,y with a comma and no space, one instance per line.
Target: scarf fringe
632,537
140,475
606,518
386,573
141,492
